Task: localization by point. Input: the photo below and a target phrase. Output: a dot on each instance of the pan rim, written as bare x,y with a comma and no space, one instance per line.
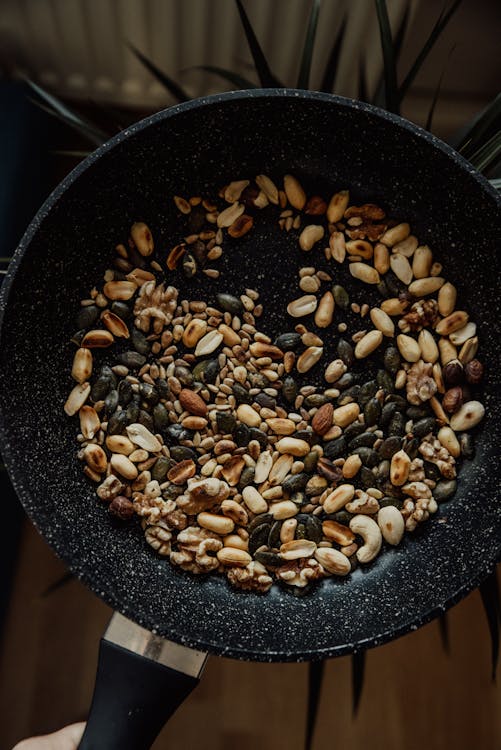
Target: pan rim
23,492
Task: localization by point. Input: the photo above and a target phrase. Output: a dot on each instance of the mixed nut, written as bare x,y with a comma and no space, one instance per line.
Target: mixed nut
218,435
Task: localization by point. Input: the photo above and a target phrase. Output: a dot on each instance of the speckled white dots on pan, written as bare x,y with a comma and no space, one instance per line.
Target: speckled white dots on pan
330,143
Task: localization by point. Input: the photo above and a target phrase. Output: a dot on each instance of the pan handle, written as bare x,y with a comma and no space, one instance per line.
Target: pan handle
135,693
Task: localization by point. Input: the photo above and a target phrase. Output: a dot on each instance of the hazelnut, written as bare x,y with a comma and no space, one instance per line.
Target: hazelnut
474,371
453,373
121,507
453,399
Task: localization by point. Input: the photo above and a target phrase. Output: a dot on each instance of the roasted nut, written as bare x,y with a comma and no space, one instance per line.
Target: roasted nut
322,420
175,256
474,371
142,238
119,290
392,524
192,402
95,458
468,416
294,192
337,206
97,339
121,507
115,325
240,226
181,472
453,399
370,533
82,365
310,235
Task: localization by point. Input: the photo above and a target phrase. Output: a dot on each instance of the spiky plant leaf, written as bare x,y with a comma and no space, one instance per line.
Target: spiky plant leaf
329,76
362,82
236,80
488,154
443,625
316,671
442,21
303,79
476,133
389,64
168,83
378,97
56,108
489,591
266,77
357,676
431,112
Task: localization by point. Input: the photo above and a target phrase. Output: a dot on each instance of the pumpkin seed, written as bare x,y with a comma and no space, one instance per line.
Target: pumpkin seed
341,296
444,490
88,316
229,303
288,341
132,360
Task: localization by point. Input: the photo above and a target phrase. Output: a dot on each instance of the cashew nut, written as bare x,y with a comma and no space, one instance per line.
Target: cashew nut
370,533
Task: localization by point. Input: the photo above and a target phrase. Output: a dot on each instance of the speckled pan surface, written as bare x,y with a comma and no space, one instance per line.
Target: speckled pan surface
193,148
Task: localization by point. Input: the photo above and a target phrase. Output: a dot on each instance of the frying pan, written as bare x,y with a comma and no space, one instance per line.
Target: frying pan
329,143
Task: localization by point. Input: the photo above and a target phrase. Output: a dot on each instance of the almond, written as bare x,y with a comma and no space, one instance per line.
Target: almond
322,421
192,402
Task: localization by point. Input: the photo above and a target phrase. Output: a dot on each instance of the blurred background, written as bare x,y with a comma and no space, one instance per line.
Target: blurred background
432,687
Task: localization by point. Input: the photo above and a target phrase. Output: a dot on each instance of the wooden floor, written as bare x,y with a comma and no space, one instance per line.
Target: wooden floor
414,697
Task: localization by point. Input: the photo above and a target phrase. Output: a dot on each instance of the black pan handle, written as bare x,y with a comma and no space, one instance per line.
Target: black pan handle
135,694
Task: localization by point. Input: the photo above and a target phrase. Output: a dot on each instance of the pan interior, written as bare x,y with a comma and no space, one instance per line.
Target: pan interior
330,144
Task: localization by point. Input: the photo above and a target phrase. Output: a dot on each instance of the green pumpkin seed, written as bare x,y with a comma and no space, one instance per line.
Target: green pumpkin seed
341,296
315,400
258,520
288,341
431,471
372,412
349,395
121,309
225,421
390,446
132,413
269,559
367,391
160,468
368,456
423,427
385,381
229,303
246,478
131,359
412,448
310,461
391,359
295,483
354,429
259,536
117,423
417,412
160,417
139,342
100,388
397,425
88,316
444,490
111,402
365,440
241,394
367,477
146,420
182,453
387,412
162,388
345,352
148,393
335,448
274,535
301,532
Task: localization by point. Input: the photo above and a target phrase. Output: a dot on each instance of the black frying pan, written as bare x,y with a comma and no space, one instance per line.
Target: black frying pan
329,143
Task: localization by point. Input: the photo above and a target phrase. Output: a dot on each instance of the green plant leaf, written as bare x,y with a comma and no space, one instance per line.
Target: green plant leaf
489,591
496,184
266,77
329,76
357,678
316,671
378,97
168,83
488,154
475,134
443,626
55,107
441,23
239,81
431,112
390,70
362,81
303,78
71,153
